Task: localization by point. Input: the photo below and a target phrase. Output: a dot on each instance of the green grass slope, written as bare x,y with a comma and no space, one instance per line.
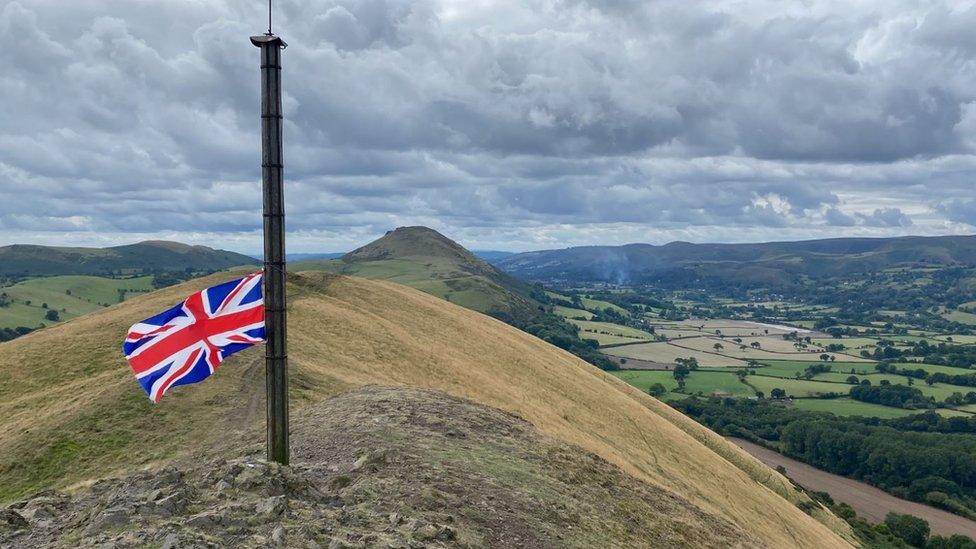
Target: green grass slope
21,260
422,258
411,467
765,264
70,410
70,295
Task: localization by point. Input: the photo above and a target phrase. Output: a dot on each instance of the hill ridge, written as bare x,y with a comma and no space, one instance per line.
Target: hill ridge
768,263
74,413
405,464
29,260
425,259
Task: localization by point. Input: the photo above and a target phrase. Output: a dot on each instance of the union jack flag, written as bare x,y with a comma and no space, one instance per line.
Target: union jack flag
187,343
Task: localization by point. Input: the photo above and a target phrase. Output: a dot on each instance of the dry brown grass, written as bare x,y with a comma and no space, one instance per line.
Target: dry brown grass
348,332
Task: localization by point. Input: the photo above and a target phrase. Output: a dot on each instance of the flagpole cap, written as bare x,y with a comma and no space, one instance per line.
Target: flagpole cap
262,39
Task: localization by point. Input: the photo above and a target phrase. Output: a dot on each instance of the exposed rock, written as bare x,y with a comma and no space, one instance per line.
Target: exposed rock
446,533
12,520
278,536
395,519
410,466
271,507
426,532
202,521
171,541
170,505
107,519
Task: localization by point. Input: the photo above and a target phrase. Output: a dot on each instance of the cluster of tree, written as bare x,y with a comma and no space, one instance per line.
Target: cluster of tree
933,466
933,422
896,531
565,335
162,279
898,396
961,379
814,369
947,354
5,300
7,334
943,353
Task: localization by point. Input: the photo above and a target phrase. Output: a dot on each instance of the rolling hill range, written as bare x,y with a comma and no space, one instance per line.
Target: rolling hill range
422,258
683,264
22,260
71,413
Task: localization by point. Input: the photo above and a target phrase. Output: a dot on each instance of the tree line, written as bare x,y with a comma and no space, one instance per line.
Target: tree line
921,459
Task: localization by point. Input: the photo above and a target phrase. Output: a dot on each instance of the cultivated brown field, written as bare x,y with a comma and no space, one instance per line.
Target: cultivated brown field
869,502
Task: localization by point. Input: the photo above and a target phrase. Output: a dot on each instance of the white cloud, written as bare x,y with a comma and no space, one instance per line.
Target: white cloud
507,124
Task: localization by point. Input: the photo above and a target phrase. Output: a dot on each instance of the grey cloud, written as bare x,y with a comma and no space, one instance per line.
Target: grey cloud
962,210
886,217
837,218
573,120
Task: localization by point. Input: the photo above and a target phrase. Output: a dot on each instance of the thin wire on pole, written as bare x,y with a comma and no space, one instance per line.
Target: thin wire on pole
269,18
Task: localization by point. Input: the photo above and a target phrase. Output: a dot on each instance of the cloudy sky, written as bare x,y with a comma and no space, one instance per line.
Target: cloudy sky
514,125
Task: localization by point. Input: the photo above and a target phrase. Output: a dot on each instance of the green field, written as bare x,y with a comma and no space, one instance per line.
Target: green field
781,349
797,388
850,407
956,338
71,296
607,339
672,333
591,328
436,276
961,317
933,368
849,342
598,305
704,382
667,353
569,312
789,368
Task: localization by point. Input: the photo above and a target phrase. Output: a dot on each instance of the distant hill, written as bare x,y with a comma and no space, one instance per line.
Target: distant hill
492,256
601,465
423,258
23,260
309,256
776,264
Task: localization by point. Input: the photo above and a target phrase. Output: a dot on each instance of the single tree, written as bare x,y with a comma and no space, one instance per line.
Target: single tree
913,530
657,390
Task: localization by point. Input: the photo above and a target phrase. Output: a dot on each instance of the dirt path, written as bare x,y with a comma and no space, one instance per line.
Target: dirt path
869,502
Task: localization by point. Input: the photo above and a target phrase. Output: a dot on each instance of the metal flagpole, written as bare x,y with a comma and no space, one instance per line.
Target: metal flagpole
276,356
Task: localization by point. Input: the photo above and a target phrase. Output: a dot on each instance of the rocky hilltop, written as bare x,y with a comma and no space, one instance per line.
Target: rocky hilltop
70,413
378,467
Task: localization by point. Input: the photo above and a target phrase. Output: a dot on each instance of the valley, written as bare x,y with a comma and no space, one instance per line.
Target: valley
792,373
797,372
72,414
42,285
869,502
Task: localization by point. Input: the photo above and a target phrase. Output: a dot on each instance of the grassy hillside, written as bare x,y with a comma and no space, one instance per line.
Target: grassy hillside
71,411
70,296
422,258
409,466
21,260
770,264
